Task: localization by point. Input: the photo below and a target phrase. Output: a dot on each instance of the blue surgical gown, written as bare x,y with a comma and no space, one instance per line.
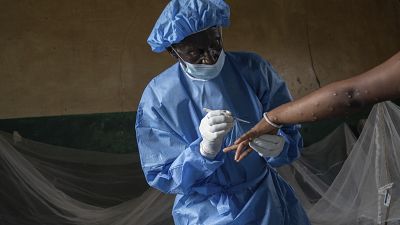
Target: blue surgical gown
218,191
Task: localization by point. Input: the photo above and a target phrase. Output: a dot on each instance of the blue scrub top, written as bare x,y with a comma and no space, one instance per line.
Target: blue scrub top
219,191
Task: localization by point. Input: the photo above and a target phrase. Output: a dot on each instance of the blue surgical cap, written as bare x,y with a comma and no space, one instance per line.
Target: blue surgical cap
182,18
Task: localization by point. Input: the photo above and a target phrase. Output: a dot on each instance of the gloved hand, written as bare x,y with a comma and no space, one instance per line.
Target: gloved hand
213,127
268,145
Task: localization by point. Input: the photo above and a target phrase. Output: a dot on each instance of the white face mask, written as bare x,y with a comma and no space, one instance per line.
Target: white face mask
204,71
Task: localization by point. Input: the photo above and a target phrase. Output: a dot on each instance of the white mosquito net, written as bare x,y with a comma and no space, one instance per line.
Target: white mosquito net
340,180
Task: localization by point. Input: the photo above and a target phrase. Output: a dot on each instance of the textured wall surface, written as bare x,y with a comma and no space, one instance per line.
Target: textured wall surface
77,57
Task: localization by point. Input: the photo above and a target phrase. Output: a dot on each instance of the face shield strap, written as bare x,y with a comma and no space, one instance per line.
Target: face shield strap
180,58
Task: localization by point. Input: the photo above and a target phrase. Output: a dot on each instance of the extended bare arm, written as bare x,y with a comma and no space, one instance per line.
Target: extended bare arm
381,83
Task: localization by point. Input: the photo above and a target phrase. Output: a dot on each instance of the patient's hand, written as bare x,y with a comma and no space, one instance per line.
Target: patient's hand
241,145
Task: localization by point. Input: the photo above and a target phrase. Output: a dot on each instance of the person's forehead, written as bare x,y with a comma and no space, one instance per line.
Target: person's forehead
202,36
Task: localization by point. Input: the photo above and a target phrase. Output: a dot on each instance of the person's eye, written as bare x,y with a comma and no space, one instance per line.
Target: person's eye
217,41
193,53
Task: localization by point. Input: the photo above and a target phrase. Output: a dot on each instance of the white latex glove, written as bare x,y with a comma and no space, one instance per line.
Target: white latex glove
268,145
213,127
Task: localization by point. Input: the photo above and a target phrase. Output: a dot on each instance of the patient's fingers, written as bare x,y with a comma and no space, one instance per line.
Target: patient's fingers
244,153
230,148
241,147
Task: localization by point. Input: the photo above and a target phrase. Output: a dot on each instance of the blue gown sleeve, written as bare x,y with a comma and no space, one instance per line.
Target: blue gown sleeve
170,163
276,93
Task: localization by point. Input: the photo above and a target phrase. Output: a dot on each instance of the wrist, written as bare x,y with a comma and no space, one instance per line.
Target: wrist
210,149
271,120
